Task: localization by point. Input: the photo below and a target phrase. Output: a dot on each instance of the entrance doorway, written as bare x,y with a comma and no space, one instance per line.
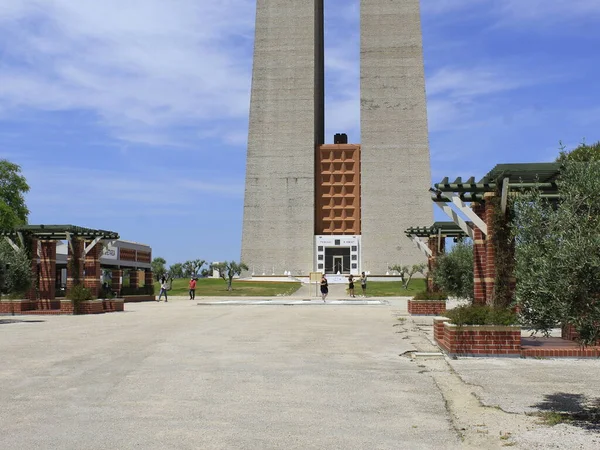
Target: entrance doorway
337,260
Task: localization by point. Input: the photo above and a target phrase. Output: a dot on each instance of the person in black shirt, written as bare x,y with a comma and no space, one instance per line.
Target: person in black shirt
324,287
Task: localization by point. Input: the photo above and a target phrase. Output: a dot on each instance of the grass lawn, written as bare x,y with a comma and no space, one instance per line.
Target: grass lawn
392,288
216,287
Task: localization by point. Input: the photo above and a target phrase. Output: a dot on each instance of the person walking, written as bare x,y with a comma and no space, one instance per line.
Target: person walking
363,284
164,287
324,287
193,288
351,286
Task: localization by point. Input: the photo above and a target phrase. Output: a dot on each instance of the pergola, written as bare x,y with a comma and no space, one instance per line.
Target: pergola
83,257
435,243
477,219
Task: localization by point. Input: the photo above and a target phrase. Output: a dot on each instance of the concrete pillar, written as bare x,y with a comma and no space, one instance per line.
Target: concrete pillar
75,262
286,126
395,169
117,281
48,270
93,270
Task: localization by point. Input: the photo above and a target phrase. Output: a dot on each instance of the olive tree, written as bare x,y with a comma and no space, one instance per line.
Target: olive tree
558,254
228,270
407,272
16,276
453,271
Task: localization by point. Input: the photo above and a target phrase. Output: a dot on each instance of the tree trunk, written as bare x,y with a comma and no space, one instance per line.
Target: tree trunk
229,288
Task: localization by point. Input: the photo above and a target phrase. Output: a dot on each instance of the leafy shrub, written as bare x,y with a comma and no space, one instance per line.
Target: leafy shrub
78,293
481,315
424,295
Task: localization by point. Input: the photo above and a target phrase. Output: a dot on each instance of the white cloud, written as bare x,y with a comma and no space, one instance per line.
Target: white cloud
141,66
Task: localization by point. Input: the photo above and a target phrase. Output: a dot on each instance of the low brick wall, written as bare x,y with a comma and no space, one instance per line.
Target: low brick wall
426,307
112,305
91,307
478,340
16,306
438,329
66,306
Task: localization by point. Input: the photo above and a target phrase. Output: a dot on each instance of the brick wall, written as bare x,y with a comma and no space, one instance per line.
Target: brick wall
432,243
93,270
134,281
479,259
148,278
478,340
426,307
117,281
48,270
91,307
16,306
78,270
438,330
33,293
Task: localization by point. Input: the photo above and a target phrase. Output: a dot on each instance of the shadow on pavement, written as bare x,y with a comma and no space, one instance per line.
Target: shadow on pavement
574,409
3,321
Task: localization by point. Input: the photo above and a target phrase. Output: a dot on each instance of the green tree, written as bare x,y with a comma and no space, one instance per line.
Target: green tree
15,265
453,271
176,270
158,267
228,270
582,153
192,268
13,187
558,254
407,272
188,269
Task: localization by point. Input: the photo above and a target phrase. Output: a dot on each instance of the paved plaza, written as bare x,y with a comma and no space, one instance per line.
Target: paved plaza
180,375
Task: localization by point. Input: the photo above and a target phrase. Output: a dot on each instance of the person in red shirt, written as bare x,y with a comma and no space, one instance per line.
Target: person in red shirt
192,288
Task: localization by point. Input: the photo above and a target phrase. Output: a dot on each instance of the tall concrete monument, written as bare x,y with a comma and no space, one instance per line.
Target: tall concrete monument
340,207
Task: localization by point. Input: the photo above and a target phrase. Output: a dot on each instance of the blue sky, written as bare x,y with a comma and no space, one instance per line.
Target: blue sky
132,116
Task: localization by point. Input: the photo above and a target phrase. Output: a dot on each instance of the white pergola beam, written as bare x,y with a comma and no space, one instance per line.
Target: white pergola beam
69,241
14,246
477,221
504,198
20,235
456,219
91,246
421,245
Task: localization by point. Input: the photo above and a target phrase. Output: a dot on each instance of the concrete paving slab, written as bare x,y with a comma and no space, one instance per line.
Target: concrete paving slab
175,376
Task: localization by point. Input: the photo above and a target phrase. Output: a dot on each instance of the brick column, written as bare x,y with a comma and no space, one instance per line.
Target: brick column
93,270
48,271
134,282
75,272
479,259
32,292
432,243
148,278
490,254
117,281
